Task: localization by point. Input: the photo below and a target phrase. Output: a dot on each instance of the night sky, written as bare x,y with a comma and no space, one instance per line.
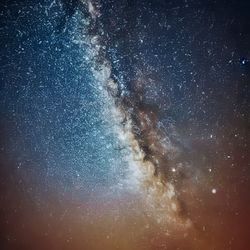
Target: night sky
124,124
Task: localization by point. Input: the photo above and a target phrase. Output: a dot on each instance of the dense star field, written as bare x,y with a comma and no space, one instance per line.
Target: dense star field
124,124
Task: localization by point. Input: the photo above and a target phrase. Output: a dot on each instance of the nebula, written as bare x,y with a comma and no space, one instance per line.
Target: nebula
139,128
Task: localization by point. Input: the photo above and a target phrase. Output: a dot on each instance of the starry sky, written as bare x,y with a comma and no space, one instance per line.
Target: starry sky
124,124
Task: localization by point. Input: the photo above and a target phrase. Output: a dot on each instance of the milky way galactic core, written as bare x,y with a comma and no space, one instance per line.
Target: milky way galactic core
124,124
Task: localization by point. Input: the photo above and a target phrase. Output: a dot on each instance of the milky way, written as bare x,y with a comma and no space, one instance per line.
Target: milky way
124,125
